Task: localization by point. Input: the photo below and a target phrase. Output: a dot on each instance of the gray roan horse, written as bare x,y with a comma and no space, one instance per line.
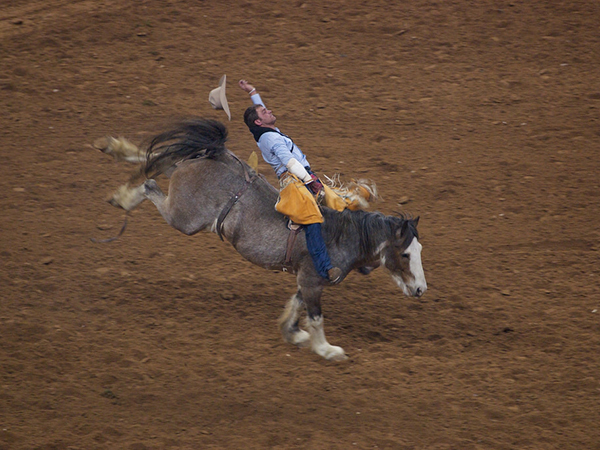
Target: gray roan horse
210,188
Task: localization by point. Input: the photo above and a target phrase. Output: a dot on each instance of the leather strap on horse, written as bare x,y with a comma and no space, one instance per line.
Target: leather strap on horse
104,241
294,230
233,200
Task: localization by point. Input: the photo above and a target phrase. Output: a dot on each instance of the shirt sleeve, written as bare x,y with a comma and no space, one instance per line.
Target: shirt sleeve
256,99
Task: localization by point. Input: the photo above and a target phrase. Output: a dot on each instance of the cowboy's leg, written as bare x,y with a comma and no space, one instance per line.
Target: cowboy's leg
317,249
320,256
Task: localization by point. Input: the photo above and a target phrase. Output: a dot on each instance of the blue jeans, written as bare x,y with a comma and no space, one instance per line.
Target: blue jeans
317,249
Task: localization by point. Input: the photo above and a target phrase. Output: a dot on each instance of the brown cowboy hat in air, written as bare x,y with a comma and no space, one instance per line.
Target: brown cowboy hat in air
217,97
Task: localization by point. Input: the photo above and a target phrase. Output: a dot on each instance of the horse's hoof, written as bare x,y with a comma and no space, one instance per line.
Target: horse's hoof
114,202
333,353
300,339
338,356
150,186
101,144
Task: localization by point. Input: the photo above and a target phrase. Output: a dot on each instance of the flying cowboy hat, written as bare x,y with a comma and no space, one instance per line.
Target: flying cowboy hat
217,97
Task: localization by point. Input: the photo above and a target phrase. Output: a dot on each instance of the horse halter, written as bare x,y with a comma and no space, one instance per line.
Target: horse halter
233,200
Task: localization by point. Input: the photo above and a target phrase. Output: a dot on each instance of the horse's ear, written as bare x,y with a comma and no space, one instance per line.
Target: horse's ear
402,230
416,220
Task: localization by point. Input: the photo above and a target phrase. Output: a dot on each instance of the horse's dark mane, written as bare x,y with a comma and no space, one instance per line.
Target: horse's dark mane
189,138
372,228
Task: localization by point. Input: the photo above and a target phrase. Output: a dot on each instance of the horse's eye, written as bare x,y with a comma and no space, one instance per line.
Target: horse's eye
405,255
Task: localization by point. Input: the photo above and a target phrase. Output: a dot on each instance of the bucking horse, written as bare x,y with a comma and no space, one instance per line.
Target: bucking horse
211,189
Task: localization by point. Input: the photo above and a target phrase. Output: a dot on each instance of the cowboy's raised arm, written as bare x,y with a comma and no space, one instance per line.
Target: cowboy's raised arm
251,90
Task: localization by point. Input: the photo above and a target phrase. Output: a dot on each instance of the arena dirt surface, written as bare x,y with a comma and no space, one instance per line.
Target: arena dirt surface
480,117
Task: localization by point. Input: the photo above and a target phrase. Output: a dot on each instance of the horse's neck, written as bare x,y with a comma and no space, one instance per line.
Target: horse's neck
364,249
374,257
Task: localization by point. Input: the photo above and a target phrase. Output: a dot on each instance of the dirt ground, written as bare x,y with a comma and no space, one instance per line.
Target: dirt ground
483,115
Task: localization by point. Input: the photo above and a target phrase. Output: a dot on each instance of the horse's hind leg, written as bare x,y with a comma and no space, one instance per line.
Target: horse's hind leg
127,197
318,341
120,149
288,322
181,219
153,193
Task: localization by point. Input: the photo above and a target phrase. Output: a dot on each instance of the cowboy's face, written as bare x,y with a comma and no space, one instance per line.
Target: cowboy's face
265,117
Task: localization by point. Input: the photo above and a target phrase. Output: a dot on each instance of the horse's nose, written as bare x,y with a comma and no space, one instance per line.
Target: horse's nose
419,292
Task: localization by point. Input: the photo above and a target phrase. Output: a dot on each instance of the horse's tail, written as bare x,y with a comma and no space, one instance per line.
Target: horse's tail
187,139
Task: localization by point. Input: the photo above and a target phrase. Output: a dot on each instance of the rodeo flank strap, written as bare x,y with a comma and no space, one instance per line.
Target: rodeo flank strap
233,200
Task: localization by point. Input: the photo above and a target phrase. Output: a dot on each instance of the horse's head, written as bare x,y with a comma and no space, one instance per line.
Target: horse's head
402,257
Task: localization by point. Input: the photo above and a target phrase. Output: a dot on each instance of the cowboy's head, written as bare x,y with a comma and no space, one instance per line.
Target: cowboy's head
259,116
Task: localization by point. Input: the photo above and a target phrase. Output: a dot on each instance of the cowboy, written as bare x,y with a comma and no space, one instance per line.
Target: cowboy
286,158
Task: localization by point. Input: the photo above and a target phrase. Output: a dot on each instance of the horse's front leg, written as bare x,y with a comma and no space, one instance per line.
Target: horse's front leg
318,341
288,322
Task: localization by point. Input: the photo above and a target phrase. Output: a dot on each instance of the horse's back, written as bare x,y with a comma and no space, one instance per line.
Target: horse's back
200,189
197,190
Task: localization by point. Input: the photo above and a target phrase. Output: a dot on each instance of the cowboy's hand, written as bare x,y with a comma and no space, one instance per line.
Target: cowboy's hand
244,85
315,185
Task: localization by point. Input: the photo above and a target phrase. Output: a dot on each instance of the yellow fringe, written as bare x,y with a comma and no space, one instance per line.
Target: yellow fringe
356,194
